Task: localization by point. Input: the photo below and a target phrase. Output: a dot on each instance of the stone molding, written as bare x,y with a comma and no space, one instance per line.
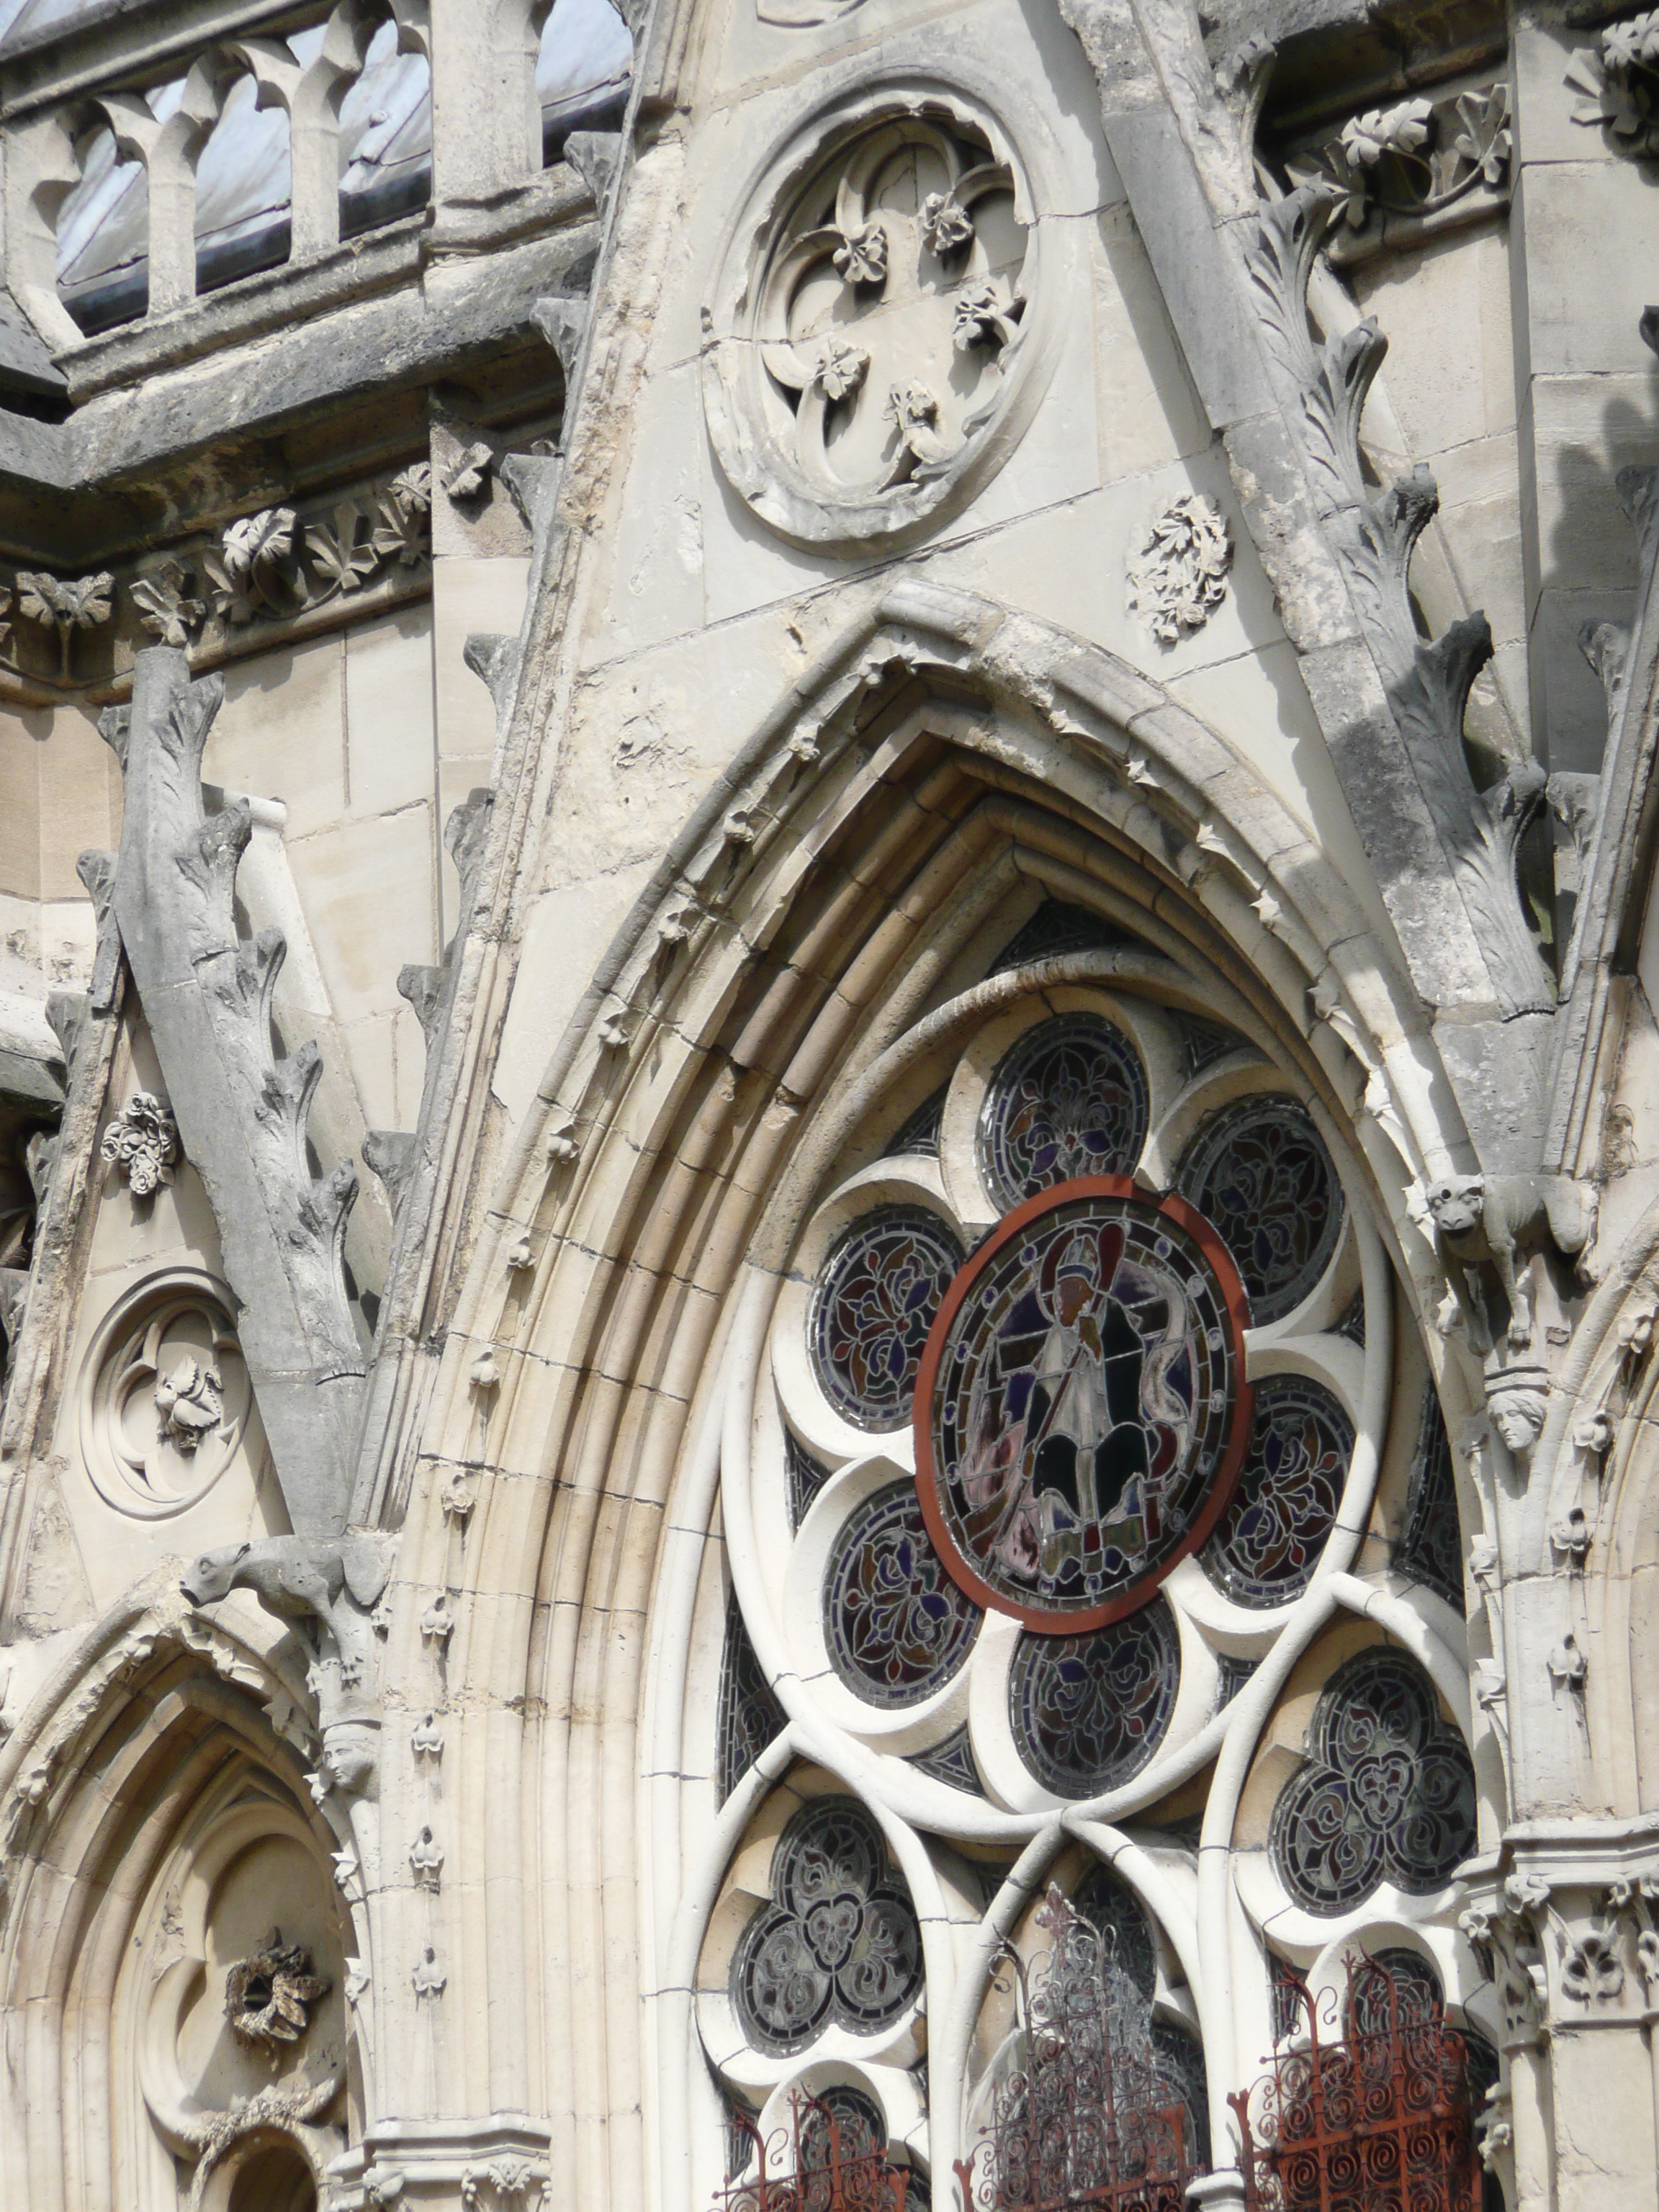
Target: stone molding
241,1113
1323,388
1413,171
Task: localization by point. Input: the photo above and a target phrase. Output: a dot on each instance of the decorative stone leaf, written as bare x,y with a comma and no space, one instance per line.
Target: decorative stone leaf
38,597
946,227
1484,141
269,1997
164,608
840,368
1400,130
1180,577
412,487
466,479
862,259
983,315
258,539
399,530
913,411
341,560
143,1141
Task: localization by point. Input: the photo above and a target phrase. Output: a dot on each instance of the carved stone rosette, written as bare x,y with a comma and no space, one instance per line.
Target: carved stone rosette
874,321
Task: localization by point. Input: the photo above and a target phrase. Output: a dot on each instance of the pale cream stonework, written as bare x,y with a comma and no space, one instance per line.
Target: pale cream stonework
617,585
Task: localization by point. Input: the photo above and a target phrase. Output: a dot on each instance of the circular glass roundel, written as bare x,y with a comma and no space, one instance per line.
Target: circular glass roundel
1088,1712
1260,1171
896,1626
1267,1543
1069,1099
1081,1413
876,1300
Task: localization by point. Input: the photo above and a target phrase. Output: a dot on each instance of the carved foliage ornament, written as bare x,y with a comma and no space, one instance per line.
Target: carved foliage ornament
143,1142
275,565
1418,160
1181,576
1618,79
873,321
269,1997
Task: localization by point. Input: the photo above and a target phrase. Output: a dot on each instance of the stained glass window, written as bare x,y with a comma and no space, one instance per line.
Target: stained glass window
1387,1793
1416,1992
876,1300
1069,1099
1057,929
750,1714
808,1476
1088,1712
896,1626
1259,1171
1268,1542
920,1132
839,1944
1432,1551
1082,1420
1204,1044
950,1762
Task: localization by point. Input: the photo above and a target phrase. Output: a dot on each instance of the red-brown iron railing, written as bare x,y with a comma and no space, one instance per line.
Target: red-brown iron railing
1079,2123
824,2161
1376,2121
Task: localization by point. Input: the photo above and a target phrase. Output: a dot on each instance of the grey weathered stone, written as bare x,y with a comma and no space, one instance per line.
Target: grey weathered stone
241,1112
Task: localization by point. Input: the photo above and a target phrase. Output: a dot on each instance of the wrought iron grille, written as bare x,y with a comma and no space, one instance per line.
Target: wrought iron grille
1376,2121
828,2159
1079,2120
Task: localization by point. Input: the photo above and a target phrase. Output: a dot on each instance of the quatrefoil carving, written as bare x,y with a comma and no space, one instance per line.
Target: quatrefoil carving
875,319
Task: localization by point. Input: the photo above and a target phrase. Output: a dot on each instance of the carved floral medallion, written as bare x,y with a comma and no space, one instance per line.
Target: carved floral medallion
165,1397
869,343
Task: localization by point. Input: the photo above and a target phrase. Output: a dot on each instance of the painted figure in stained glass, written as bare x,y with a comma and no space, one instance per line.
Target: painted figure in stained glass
1077,1425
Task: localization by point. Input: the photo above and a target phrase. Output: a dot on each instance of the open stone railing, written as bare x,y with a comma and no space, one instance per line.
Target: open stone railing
487,133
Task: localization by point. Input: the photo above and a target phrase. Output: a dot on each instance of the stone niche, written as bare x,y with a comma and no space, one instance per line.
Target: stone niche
234,1993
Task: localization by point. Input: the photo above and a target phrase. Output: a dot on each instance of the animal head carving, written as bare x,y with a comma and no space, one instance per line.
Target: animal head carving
1457,1204
214,1575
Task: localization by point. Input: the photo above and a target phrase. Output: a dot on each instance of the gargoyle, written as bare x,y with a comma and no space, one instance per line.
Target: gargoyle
336,1582
1480,1222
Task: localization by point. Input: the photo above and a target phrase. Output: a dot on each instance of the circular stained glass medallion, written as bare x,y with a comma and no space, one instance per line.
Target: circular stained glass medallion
1269,1540
897,1627
1088,1712
1081,1413
1069,1099
876,1299
1260,1171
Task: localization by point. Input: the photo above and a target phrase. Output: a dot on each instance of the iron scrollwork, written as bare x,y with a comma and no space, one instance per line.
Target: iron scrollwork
1087,2116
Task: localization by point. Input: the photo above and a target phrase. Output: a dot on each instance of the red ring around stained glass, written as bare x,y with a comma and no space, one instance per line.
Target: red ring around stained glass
1081,1410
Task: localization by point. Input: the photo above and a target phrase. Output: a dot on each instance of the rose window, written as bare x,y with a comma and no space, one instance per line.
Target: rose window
1065,1396
1069,1406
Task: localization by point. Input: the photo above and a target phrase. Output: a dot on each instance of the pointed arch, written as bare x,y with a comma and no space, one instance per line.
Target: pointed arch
146,1765
826,904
